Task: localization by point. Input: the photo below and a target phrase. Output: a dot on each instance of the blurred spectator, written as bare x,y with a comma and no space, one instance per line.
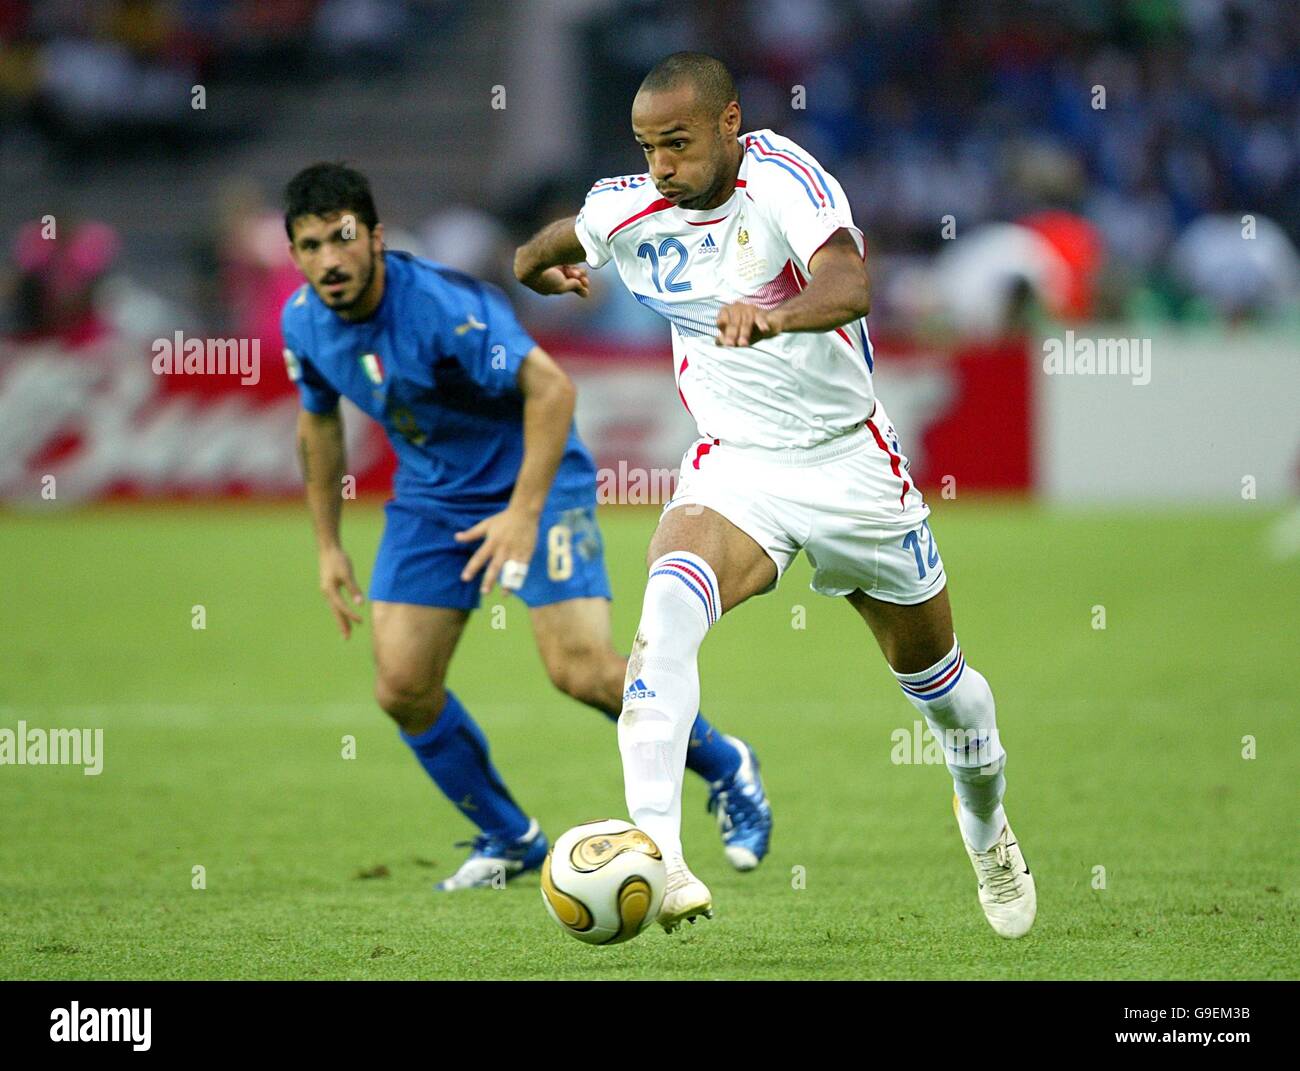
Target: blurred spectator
58,270
124,71
363,32
256,274
996,278
1239,273
1079,245
470,240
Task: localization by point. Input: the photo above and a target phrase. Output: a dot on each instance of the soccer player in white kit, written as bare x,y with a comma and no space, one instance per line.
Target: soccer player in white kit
747,247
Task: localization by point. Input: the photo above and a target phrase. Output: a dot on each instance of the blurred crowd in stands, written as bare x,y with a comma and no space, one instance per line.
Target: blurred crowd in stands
1011,163
118,74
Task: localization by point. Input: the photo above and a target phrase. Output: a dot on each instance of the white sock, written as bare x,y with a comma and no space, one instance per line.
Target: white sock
662,693
958,706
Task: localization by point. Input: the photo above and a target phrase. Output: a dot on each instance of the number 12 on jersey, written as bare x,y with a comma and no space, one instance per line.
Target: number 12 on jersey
668,245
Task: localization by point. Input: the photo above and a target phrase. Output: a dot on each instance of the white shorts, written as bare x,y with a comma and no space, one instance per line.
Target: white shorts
849,504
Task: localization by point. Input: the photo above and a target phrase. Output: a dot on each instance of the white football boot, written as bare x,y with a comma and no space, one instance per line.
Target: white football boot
686,898
1006,888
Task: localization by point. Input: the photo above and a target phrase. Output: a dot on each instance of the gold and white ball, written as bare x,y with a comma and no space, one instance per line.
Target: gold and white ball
603,881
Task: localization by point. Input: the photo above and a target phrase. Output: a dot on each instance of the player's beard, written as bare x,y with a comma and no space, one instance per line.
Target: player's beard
361,292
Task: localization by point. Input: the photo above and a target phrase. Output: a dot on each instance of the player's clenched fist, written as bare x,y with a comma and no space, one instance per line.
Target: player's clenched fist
562,279
741,324
335,573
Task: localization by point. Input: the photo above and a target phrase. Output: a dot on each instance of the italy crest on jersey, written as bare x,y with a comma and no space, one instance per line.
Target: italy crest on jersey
373,367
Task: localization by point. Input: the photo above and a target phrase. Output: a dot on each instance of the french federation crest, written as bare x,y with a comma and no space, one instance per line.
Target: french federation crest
373,367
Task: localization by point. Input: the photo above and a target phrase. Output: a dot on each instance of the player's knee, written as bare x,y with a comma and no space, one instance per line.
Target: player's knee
680,603
414,703
576,671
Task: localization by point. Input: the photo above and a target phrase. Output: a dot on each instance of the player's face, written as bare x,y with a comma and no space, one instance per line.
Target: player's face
688,153
337,254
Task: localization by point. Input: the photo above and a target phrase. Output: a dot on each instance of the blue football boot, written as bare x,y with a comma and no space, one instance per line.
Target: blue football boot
494,860
744,815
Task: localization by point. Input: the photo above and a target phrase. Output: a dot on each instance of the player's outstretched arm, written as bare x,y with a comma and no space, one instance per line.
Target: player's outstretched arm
838,293
550,262
323,455
510,536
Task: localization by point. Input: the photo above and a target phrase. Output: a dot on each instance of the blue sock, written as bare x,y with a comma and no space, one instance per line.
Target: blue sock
709,754
454,752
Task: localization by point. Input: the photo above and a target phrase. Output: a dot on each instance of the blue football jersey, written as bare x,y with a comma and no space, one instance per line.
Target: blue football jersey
437,365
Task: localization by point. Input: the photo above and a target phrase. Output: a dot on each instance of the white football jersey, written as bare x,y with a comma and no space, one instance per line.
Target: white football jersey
793,390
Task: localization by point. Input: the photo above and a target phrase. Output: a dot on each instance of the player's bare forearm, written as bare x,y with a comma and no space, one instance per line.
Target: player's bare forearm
507,539
556,243
549,398
836,296
322,454
548,261
838,293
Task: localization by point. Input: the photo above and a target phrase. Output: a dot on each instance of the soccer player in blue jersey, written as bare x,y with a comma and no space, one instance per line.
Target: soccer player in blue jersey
492,484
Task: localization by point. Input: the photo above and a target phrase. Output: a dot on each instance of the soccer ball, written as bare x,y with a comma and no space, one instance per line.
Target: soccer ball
603,881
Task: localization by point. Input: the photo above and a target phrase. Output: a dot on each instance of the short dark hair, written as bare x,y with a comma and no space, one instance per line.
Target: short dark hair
324,189
707,75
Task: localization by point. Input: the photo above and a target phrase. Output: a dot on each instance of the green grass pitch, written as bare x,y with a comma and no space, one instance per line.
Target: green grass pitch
222,749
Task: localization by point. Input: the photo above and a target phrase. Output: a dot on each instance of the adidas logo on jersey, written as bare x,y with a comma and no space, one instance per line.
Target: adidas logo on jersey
637,690
709,245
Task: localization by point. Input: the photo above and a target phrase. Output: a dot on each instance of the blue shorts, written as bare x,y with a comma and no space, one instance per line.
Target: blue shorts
419,561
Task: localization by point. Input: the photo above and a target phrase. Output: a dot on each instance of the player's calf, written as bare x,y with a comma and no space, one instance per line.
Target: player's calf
413,646
573,638
662,691
957,703
953,697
